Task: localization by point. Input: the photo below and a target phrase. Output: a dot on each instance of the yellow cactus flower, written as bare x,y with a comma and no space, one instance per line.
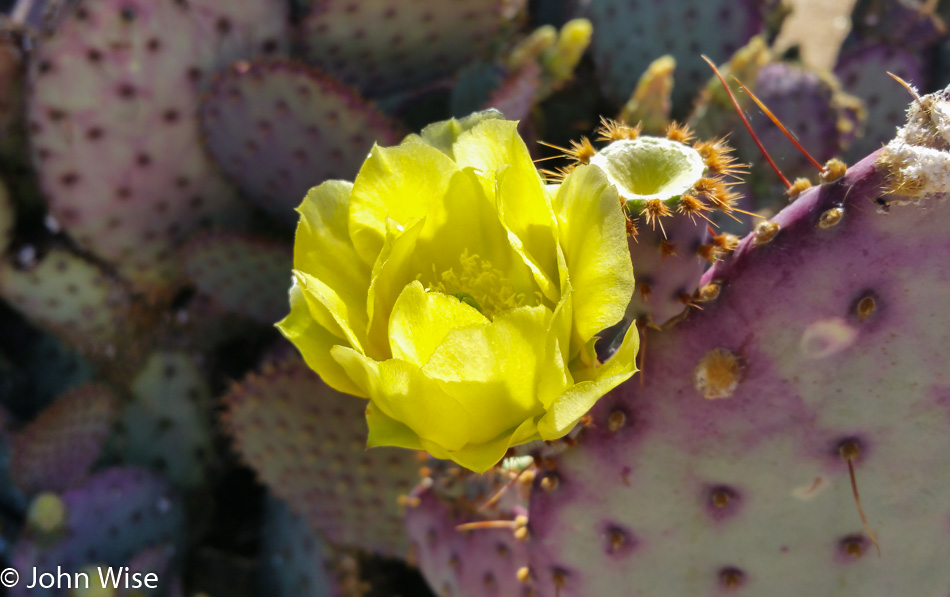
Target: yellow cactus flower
460,295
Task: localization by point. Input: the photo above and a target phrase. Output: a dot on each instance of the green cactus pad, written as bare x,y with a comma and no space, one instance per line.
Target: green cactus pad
57,449
474,86
243,275
279,128
72,298
307,443
630,35
114,126
166,426
380,46
296,562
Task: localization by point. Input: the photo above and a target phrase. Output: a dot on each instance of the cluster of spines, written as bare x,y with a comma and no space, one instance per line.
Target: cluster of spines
711,193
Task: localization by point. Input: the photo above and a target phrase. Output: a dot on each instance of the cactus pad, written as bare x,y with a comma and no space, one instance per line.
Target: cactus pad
381,47
631,35
914,24
57,449
475,563
243,275
813,107
729,469
862,71
295,561
307,443
109,519
166,425
279,128
70,297
114,128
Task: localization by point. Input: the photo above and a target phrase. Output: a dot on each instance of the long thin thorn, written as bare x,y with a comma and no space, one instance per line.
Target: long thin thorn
779,124
550,157
857,500
487,524
731,215
501,491
748,213
745,121
910,88
552,146
701,215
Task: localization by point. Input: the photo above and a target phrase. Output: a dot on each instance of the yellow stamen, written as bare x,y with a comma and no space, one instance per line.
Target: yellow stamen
479,284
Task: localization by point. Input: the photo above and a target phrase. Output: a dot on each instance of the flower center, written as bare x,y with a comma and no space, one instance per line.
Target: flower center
476,282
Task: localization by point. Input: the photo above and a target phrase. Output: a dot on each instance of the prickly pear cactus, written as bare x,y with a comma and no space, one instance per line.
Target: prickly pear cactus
279,128
381,47
57,449
669,188
650,104
109,519
242,275
536,67
166,427
862,70
307,443
814,108
731,467
631,35
296,561
912,23
114,129
471,563
72,298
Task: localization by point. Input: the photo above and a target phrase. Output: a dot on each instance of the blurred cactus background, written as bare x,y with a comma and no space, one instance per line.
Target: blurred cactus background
152,153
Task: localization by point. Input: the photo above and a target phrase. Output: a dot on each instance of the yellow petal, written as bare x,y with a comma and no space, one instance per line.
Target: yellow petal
396,183
443,135
392,272
401,391
490,146
329,309
525,211
481,457
314,343
462,222
466,221
324,252
496,151
420,321
386,431
591,384
493,370
593,235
